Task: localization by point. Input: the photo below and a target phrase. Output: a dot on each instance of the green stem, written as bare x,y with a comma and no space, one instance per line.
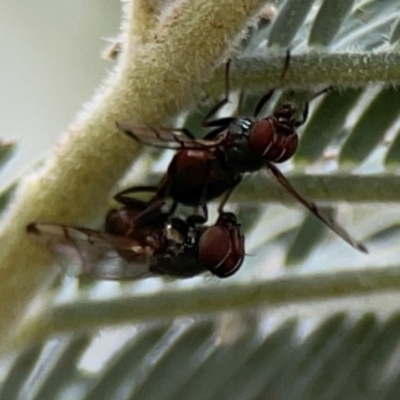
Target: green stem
338,69
262,188
82,315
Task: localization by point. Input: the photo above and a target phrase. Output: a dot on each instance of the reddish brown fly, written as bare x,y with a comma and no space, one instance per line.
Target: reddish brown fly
141,239
139,244
204,169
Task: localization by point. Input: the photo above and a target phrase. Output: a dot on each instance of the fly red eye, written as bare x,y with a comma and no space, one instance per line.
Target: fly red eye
221,247
214,247
288,145
284,147
261,137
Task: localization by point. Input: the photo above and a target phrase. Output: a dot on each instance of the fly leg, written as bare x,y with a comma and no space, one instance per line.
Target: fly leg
304,117
226,196
221,121
122,198
202,219
150,210
220,124
267,96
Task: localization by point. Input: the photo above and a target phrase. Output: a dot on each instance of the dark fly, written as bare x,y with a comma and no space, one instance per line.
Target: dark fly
204,169
139,244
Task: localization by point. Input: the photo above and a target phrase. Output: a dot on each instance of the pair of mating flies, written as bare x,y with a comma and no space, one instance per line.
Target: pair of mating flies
142,240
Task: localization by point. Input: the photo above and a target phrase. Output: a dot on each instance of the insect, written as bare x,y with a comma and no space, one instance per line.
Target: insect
139,244
204,169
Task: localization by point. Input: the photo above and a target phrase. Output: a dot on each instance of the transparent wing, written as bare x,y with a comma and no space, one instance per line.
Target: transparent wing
327,220
166,138
91,253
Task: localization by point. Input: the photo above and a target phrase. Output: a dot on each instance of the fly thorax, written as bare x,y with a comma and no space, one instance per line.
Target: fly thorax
237,154
192,237
240,127
173,235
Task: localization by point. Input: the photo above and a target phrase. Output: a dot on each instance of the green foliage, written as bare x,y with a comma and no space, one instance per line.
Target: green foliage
340,356
349,151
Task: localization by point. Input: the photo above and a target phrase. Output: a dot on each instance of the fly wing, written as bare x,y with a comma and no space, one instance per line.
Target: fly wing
94,254
165,138
327,220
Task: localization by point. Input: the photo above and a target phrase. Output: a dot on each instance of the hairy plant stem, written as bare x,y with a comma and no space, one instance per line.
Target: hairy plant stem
95,314
329,188
151,83
312,69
